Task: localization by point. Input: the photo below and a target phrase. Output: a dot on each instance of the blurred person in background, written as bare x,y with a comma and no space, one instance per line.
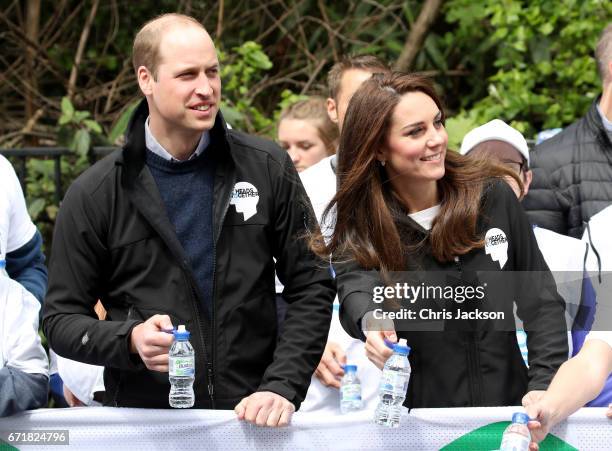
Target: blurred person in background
501,144
564,255
306,132
572,171
343,79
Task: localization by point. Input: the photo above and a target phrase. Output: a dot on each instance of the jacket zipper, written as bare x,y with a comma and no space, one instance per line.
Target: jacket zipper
473,373
194,298
210,368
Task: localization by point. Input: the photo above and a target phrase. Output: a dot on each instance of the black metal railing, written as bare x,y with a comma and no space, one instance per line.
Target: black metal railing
22,154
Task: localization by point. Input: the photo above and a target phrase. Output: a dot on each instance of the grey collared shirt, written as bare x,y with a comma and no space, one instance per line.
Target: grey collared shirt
154,146
606,123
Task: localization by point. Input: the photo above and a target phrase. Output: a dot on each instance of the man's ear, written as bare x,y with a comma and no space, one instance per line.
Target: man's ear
527,178
332,112
145,80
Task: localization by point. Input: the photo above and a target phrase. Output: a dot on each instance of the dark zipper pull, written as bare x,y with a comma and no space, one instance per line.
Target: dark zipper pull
458,263
211,387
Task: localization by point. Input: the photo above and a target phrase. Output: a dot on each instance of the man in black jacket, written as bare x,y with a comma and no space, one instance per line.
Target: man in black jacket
572,172
181,227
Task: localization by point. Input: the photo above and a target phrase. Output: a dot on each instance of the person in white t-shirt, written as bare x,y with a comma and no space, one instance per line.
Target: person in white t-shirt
319,180
21,256
24,374
308,135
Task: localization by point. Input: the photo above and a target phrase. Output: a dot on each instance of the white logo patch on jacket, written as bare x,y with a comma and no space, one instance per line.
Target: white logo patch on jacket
496,245
245,198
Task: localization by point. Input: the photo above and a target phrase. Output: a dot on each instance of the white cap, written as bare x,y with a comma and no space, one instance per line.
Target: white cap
495,130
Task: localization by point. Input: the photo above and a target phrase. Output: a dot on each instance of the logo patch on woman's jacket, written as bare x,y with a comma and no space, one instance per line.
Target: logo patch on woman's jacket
496,245
245,198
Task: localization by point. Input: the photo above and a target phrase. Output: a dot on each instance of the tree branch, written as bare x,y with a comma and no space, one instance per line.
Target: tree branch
417,35
32,26
220,21
81,48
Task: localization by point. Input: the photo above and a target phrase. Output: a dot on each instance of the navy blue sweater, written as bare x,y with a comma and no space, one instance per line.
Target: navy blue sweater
186,188
26,265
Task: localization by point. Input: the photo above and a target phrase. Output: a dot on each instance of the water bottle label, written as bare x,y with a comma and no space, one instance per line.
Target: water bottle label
350,392
181,366
514,442
394,382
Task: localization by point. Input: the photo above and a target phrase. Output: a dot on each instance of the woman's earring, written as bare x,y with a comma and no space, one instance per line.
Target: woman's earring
382,163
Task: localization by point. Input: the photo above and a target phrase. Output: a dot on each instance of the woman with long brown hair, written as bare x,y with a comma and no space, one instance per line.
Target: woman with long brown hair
406,203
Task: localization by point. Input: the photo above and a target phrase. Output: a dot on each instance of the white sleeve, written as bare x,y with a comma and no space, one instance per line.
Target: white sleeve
21,343
82,380
600,335
21,229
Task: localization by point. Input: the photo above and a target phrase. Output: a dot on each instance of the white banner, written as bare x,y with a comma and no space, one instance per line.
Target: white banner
471,429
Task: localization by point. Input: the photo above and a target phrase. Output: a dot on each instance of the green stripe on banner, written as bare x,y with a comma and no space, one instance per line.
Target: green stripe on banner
6,447
488,438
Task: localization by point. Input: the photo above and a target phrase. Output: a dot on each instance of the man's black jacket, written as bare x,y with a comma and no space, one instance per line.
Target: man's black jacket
572,176
113,241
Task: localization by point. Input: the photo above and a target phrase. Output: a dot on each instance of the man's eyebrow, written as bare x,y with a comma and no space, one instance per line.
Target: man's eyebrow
192,67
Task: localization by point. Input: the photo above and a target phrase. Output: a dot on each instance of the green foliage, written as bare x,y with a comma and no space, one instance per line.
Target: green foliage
240,71
543,73
238,77
78,132
527,62
76,129
458,126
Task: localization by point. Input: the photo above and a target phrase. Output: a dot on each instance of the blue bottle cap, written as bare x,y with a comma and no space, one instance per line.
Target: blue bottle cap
401,349
181,334
2,264
520,417
350,368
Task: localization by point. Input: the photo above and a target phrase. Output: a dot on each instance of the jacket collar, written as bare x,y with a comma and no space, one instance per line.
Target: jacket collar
134,150
141,187
594,123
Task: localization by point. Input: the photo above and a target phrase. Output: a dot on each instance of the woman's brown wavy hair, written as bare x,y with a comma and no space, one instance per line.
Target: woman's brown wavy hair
364,205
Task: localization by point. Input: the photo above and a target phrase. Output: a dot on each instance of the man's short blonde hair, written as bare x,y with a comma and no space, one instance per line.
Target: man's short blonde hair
367,63
145,51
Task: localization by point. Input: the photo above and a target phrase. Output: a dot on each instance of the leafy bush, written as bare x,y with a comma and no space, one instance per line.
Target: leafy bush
541,52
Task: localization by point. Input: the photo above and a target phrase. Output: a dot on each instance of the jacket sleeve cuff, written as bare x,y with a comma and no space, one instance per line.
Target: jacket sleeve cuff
352,311
132,361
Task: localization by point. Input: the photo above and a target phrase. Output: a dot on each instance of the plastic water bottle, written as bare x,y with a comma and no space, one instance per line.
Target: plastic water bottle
181,369
516,436
393,386
350,390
